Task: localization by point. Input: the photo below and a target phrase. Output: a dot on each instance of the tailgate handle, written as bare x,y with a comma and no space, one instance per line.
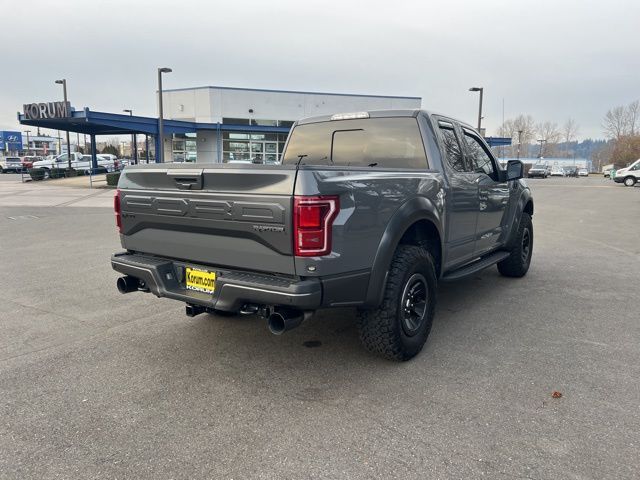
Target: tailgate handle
187,179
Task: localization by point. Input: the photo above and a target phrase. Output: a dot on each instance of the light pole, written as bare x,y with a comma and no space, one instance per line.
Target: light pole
160,154
481,90
27,132
63,82
519,142
134,140
542,142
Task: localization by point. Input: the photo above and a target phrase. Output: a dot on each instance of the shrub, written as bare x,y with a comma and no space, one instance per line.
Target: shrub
37,173
112,179
70,172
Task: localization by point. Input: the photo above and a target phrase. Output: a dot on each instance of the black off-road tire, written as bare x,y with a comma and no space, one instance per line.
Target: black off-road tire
517,263
386,331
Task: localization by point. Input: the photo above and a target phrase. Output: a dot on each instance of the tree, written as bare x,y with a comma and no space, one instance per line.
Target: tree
111,149
626,150
632,117
521,130
615,122
550,134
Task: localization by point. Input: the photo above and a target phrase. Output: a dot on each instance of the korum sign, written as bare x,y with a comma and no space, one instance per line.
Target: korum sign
44,110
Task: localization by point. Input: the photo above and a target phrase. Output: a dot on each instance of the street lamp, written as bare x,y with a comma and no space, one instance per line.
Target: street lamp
160,154
27,132
63,82
519,142
481,90
542,142
134,139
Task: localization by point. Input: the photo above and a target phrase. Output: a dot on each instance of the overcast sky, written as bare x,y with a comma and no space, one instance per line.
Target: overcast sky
550,59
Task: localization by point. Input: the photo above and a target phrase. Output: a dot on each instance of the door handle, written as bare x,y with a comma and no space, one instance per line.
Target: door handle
186,179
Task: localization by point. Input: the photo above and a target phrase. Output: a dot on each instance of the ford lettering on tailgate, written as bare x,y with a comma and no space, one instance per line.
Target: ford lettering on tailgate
241,211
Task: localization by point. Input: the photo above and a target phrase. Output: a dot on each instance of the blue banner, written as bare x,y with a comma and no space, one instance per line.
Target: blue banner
11,141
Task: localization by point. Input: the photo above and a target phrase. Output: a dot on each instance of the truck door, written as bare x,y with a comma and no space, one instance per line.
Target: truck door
463,199
493,195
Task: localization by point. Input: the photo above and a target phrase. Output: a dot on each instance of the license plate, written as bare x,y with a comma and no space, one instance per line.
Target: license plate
200,280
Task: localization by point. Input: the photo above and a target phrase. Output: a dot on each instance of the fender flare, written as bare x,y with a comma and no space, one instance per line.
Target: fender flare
414,210
525,197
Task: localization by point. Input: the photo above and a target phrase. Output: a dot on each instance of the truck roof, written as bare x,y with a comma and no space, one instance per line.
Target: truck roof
378,114
371,113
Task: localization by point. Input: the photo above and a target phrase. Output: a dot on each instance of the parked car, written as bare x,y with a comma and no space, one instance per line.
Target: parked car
557,171
58,161
570,171
10,164
29,160
540,171
356,215
583,172
629,175
78,162
606,170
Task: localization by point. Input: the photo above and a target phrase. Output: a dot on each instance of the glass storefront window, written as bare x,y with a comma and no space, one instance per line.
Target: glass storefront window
184,147
252,147
265,123
235,121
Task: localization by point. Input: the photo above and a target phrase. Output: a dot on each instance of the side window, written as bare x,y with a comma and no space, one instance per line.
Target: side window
452,147
479,158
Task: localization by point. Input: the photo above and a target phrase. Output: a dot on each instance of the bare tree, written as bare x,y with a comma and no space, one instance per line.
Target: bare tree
549,133
615,122
570,131
632,117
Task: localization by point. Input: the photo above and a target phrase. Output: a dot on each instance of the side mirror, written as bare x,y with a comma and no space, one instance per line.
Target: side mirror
515,170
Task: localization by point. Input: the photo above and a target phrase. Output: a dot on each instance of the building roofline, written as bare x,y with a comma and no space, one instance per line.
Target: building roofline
288,91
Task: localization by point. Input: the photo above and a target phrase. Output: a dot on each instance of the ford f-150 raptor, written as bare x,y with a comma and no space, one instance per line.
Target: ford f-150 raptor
369,210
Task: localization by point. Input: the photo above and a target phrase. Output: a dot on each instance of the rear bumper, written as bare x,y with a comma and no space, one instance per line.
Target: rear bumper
234,289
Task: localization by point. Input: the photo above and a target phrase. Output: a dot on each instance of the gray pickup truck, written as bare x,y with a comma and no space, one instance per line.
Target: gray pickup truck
369,210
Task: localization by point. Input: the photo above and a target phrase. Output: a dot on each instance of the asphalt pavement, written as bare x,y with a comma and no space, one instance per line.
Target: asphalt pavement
94,384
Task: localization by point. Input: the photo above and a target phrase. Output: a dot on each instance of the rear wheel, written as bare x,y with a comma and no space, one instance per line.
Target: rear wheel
399,328
629,181
519,259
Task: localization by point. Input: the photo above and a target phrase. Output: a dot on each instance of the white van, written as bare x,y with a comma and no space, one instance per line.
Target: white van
629,175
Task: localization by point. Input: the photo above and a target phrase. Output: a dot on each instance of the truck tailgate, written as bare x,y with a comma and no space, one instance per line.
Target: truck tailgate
221,215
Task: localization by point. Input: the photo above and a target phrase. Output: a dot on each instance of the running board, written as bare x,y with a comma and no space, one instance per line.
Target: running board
476,266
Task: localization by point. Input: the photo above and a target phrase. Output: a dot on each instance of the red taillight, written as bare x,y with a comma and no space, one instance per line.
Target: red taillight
312,221
116,207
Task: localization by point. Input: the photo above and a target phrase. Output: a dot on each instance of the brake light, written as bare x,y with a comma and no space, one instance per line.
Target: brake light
117,209
312,221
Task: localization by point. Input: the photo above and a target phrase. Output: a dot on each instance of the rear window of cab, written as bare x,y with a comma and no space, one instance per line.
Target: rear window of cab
375,142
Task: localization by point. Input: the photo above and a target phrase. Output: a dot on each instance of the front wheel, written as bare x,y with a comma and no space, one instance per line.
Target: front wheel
519,259
629,181
399,328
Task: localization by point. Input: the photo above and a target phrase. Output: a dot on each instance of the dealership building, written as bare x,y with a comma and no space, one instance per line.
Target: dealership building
252,124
